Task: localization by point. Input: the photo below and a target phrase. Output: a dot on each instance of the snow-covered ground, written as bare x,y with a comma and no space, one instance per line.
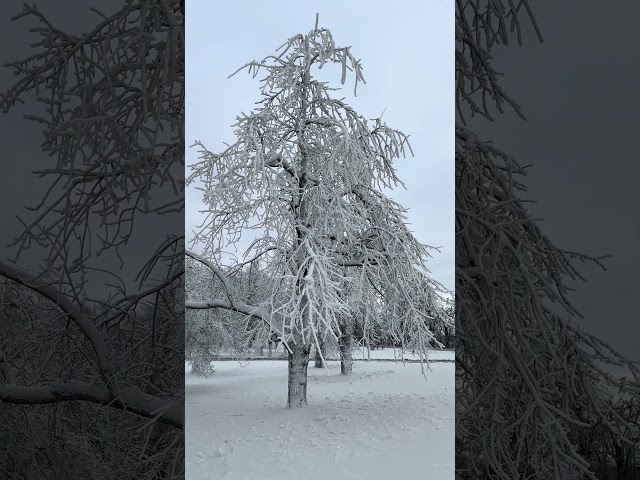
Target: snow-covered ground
384,421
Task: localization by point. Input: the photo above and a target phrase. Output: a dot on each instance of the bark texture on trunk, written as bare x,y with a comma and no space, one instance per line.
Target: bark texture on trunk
298,364
319,362
346,360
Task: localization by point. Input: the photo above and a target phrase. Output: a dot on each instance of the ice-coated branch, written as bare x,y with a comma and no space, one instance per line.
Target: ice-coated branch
480,26
129,399
113,128
217,271
82,321
232,304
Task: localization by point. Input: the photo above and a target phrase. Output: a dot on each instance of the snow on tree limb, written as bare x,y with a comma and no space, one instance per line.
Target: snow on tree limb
114,395
231,304
128,399
69,308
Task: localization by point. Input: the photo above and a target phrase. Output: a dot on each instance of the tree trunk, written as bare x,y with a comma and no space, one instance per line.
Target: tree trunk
298,363
346,360
448,338
319,362
368,350
270,349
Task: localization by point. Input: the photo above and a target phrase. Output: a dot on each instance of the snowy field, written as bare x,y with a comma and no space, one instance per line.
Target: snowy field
384,421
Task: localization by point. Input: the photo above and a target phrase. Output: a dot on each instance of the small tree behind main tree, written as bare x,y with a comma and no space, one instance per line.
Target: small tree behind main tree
306,177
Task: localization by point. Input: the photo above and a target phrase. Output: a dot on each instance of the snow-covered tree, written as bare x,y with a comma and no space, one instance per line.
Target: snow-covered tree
210,332
305,177
525,370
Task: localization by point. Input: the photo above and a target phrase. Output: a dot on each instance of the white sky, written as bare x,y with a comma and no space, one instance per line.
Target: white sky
407,54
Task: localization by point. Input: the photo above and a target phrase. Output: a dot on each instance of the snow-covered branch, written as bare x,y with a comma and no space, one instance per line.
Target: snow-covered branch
82,321
233,304
128,399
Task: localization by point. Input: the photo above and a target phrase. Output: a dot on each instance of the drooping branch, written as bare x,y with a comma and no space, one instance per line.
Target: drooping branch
82,321
233,304
217,271
129,399
114,394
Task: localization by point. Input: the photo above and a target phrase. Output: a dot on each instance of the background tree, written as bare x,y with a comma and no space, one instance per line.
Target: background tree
209,333
524,368
97,364
306,177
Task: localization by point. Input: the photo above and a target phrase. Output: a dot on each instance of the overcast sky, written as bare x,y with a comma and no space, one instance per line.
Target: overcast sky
407,52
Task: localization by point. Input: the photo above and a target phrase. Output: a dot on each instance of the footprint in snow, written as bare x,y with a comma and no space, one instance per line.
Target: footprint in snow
221,452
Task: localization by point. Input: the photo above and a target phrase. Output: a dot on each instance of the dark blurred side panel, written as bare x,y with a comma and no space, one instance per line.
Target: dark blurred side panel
92,240
547,350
